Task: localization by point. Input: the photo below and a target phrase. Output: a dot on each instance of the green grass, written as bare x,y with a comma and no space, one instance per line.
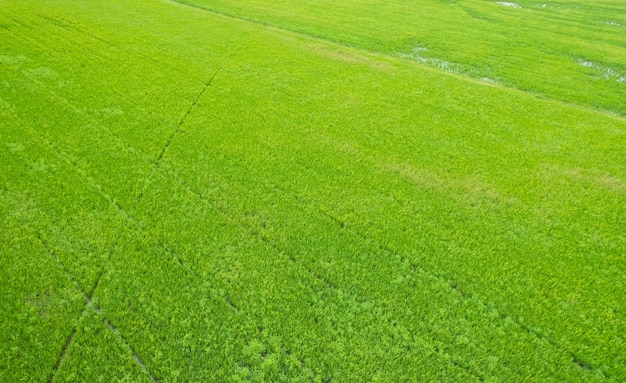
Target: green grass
189,196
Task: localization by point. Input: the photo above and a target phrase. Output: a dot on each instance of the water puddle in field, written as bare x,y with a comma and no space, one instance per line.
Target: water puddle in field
417,56
603,72
507,4
614,24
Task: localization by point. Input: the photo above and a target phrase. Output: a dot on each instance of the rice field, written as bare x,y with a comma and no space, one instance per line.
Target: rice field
312,191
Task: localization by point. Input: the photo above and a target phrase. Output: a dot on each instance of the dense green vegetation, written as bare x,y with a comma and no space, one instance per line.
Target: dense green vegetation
189,196
571,50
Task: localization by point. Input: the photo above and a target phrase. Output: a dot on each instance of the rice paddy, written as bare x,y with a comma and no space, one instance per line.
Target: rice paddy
312,191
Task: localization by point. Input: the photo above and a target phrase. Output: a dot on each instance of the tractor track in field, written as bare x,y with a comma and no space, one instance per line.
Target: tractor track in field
89,296
417,269
89,304
414,267
254,230
47,144
126,345
183,120
129,217
63,353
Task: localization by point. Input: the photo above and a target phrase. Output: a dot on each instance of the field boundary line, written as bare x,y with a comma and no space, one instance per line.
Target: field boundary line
183,120
124,343
388,56
127,218
64,350
88,297
130,218
298,263
70,338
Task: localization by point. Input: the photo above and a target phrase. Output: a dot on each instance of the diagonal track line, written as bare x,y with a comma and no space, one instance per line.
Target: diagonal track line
88,296
254,232
416,268
183,120
125,344
330,285
63,352
128,218
89,304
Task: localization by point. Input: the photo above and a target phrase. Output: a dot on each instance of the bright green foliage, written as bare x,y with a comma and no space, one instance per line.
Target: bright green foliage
194,197
39,307
98,354
572,50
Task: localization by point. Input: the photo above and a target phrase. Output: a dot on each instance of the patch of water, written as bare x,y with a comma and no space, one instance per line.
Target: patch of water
416,55
489,80
507,4
604,72
614,24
